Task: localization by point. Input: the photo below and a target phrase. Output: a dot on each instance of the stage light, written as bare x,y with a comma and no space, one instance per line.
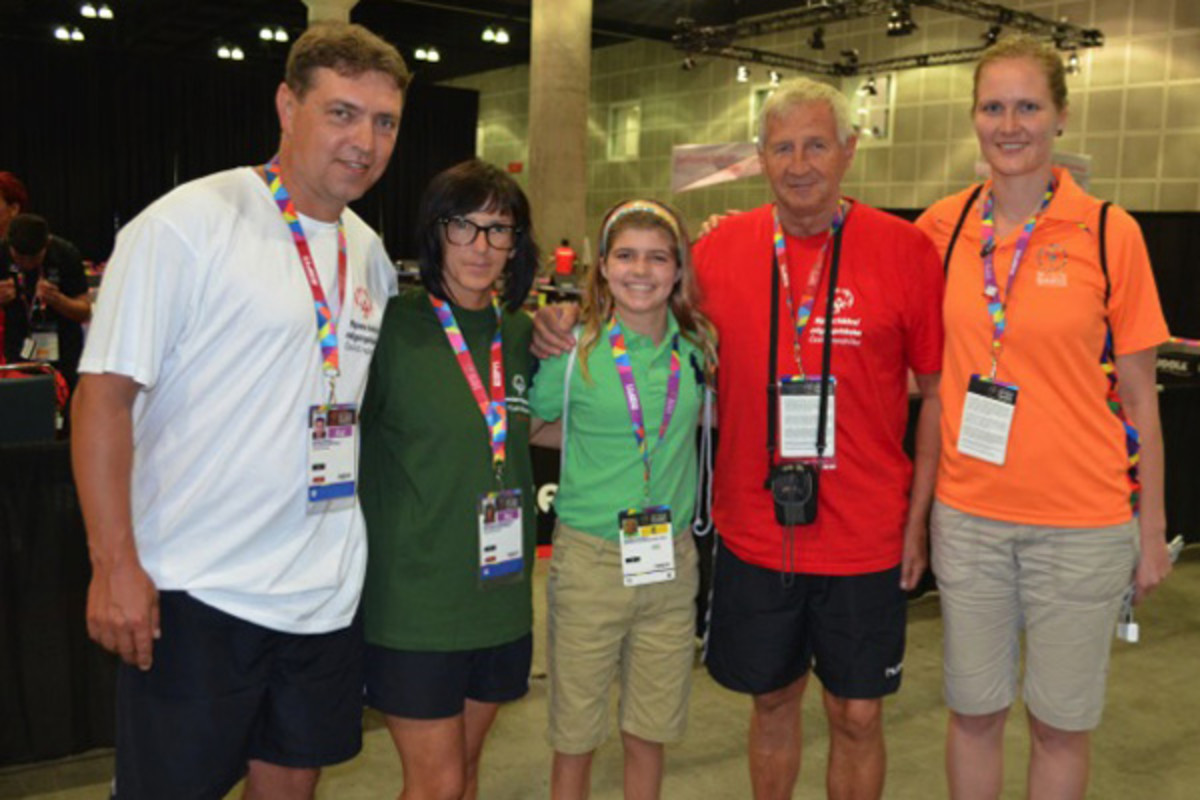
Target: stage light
868,88
236,54
104,12
489,34
817,40
743,73
688,64
1073,63
62,34
266,34
775,77
502,36
281,35
88,10
76,35
223,52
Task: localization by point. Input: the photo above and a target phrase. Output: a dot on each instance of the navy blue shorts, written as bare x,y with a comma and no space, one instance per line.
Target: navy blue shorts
424,684
763,634
223,691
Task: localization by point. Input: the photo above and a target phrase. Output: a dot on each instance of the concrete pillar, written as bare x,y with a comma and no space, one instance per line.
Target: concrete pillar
559,83
335,10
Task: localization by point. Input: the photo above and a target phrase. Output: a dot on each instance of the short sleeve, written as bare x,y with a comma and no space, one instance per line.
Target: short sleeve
144,302
546,397
924,332
1134,310
73,281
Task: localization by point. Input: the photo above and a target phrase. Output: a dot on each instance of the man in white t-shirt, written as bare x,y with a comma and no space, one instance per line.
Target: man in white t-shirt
227,569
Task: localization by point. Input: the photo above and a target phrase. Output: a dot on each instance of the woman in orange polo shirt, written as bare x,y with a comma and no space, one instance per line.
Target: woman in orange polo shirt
1047,387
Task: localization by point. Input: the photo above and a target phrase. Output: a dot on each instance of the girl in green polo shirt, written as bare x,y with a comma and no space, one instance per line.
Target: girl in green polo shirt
624,574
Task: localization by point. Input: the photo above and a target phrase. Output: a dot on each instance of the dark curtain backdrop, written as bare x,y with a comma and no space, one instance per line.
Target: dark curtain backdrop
97,136
1173,240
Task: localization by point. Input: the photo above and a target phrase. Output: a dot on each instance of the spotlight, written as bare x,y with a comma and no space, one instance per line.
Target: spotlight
236,54
76,35
817,40
88,10
1073,63
281,35
433,56
223,52
688,64
993,34
421,54
868,88
62,34
266,34
502,36
489,34
105,12
775,77
743,74
900,21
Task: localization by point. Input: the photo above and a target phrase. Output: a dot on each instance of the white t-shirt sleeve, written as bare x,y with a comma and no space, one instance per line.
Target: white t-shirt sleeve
144,301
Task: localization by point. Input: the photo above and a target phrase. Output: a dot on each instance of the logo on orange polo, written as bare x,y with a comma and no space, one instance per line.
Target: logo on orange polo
1052,266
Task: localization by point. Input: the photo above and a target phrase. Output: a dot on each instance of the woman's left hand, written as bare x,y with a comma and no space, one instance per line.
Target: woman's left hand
1153,567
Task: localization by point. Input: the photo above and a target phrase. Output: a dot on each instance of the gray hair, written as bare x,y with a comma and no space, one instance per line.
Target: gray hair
798,92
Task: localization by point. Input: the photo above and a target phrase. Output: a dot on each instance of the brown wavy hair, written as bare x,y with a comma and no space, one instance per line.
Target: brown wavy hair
684,301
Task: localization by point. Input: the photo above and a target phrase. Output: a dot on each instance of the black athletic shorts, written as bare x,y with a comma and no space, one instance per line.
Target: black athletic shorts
763,634
424,684
223,691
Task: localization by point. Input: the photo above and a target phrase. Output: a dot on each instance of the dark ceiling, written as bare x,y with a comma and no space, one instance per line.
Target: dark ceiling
196,28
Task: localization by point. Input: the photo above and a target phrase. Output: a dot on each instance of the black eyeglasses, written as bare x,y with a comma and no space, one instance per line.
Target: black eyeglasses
462,231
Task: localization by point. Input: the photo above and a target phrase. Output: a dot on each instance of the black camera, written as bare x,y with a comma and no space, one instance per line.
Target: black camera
794,490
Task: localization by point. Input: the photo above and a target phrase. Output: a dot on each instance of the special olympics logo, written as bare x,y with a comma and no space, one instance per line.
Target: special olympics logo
1052,258
843,299
362,299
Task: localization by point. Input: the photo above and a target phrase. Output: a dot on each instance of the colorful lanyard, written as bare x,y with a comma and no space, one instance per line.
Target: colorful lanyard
633,400
804,312
326,321
494,410
997,307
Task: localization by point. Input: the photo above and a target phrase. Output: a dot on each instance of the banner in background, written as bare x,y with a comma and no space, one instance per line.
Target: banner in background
694,166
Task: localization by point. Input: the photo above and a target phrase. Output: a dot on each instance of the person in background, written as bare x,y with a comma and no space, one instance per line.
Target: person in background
1050,436
448,484
45,297
624,574
227,570
13,200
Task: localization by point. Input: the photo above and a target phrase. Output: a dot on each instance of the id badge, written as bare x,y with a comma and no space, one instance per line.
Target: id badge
41,346
647,545
332,456
501,538
798,413
987,420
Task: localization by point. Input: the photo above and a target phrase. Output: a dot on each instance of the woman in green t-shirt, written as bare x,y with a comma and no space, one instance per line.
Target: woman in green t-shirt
447,483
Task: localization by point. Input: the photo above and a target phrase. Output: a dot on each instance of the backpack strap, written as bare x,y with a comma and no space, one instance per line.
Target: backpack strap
1104,251
958,228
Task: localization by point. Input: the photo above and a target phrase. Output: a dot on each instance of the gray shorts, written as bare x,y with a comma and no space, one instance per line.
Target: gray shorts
1063,586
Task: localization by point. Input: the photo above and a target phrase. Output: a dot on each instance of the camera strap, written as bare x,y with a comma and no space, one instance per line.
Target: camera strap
826,355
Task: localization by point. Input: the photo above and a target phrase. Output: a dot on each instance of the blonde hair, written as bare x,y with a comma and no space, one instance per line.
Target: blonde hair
1037,51
599,306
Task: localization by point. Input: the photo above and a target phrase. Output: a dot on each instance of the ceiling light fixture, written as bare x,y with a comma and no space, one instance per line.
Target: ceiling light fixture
105,12
900,21
689,63
489,34
1073,63
76,35
266,34
236,54
817,40
223,52
774,77
502,36
743,73
992,35
62,34
281,35
88,10
868,88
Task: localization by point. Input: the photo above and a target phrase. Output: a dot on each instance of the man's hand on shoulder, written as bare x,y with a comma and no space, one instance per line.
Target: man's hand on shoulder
122,611
552,326
714,221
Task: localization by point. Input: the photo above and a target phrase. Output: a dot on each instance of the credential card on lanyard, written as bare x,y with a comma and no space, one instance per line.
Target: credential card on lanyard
332,457
647,545
799,412
987,420
501,538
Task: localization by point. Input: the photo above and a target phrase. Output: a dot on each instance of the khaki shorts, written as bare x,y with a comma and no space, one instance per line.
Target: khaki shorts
600,629
1063,586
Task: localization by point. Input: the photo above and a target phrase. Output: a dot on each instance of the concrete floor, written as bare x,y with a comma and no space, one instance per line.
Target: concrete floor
1147,747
